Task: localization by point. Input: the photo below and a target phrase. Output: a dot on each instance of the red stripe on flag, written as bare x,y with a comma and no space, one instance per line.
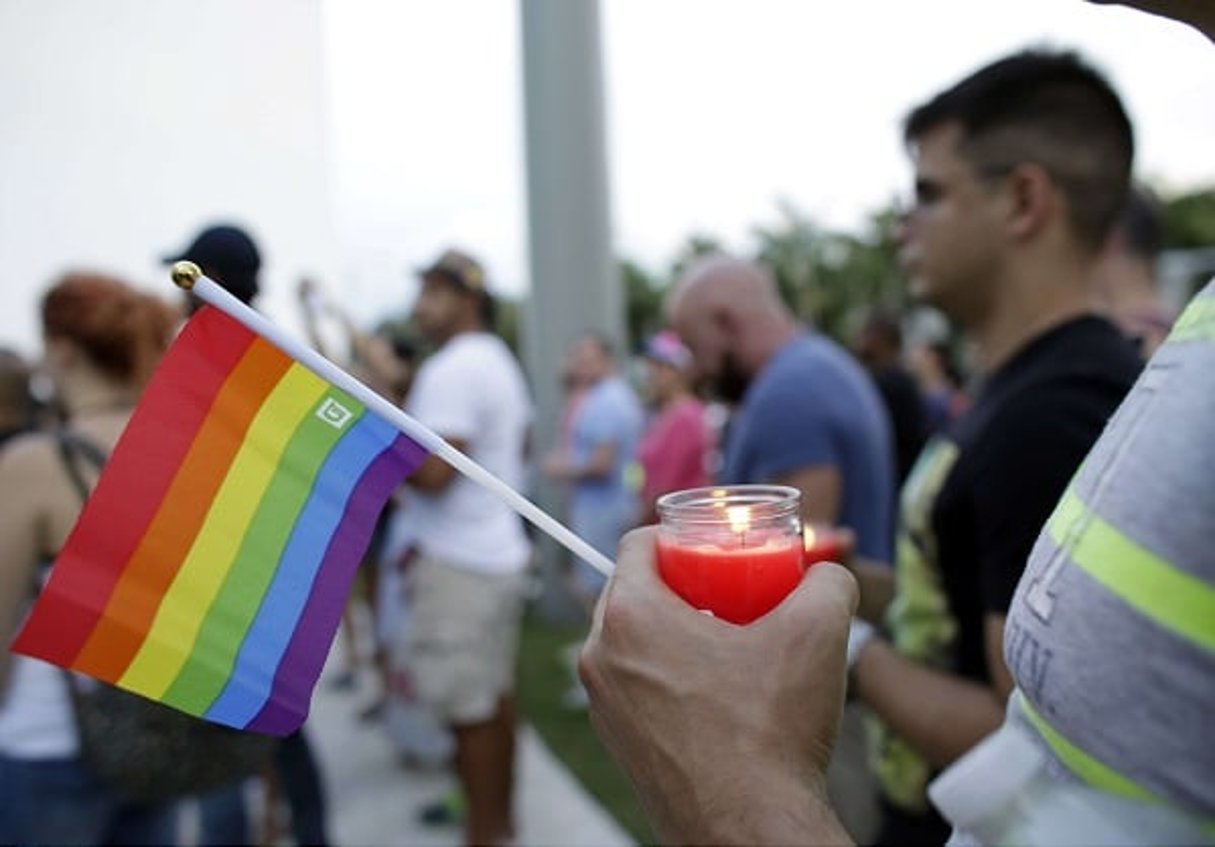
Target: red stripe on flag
144,464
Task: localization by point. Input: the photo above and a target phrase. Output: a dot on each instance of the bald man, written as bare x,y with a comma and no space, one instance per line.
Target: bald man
806,414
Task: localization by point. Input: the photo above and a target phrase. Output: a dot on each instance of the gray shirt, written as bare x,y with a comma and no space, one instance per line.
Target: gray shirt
1111,634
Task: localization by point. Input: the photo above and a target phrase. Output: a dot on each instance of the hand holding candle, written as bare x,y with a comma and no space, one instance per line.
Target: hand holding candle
735,552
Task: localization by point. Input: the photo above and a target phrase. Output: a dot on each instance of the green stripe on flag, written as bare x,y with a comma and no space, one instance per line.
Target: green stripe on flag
223,631
1172,598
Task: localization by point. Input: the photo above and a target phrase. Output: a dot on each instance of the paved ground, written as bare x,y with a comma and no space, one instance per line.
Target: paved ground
374,799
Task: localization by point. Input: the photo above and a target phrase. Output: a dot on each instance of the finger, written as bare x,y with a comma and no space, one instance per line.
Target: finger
634,557
832,585
847,542
826,596
638,576
636,553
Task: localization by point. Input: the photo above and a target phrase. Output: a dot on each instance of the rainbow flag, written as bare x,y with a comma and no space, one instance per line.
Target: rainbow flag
210,567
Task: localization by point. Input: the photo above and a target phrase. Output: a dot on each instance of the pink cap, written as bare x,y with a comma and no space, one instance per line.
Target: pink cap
666,347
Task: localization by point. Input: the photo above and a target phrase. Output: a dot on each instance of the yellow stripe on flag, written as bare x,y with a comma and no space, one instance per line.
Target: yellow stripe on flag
185,605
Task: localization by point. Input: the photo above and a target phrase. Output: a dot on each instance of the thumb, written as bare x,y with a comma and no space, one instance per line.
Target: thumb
825,599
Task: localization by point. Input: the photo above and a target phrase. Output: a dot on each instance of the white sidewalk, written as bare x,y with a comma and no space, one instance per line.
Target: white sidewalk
372,800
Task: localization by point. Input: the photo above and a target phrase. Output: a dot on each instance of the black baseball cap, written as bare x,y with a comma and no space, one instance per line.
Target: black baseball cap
228,255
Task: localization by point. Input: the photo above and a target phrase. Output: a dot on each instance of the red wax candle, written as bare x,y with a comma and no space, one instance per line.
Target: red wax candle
823,544
737,584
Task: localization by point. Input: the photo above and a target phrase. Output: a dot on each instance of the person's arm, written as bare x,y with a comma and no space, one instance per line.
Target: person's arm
877,585
434,474
794,447
366,351
24,468
725,731
821,489
600,464
310,304
939,714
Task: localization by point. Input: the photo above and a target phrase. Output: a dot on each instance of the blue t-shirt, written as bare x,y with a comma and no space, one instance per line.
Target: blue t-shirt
813,405
609,414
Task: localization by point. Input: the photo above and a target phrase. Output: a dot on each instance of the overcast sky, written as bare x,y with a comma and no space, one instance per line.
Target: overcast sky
361,137
717,109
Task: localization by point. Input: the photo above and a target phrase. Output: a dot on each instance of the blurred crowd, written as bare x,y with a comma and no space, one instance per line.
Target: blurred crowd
942,456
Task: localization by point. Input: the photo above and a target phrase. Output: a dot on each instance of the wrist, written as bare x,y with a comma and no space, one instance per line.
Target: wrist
767,807
860,635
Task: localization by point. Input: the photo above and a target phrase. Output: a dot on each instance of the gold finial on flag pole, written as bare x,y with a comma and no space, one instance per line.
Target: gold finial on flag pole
185,274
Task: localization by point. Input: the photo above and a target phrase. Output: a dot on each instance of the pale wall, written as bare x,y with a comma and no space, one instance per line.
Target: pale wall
127,124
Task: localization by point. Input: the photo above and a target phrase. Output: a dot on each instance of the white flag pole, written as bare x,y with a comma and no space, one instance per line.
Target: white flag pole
188,276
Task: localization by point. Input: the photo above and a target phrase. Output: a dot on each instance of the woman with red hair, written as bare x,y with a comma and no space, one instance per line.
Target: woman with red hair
102,340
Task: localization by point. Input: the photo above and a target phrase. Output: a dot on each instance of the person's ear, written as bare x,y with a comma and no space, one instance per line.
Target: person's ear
1033,201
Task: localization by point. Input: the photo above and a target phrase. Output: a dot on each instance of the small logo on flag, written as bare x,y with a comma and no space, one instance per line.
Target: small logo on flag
334,413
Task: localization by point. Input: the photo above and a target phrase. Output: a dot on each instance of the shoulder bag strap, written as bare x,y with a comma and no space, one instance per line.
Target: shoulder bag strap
72,446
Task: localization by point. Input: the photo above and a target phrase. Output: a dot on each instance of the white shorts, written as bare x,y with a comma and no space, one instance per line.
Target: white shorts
463,638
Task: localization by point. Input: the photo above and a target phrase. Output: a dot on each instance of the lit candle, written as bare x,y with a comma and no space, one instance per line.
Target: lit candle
823,544
735,552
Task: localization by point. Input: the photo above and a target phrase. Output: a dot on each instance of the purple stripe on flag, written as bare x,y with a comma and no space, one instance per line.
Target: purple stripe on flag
304,658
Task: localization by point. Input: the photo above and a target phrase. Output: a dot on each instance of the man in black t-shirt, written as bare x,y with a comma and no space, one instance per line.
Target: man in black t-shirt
1020,171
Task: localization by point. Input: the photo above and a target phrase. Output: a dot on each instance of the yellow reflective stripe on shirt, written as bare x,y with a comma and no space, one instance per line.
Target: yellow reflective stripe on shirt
1084,766
1197,323
1090,770
1182,604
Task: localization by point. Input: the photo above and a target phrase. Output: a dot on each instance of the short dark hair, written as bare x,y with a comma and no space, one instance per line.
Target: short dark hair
1051,109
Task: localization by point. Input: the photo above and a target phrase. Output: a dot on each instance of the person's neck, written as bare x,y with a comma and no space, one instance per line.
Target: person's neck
1026,311
1132,290
771,339
673,399
86,395
601,377
461,331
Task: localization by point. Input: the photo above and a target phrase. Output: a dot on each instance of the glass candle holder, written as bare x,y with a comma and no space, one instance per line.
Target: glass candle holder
824,544
735,551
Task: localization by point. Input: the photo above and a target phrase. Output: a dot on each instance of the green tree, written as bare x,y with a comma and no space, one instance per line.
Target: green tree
645,291
643,300
1189,220
828,277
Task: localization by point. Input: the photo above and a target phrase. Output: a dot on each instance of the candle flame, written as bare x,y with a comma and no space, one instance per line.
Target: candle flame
808,537
739,517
